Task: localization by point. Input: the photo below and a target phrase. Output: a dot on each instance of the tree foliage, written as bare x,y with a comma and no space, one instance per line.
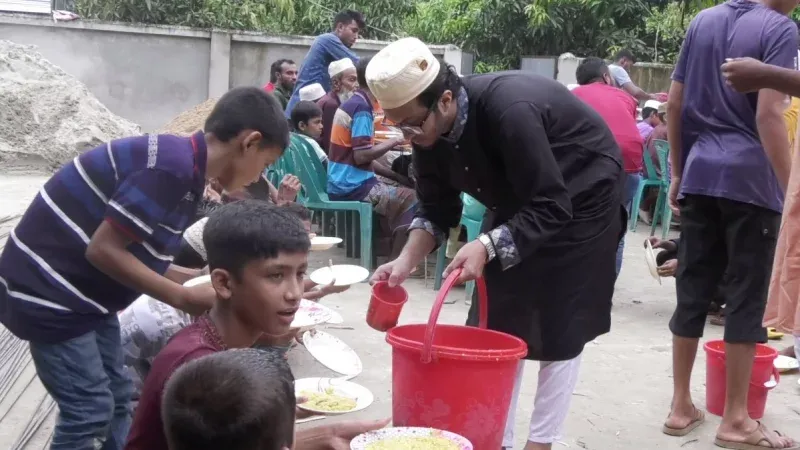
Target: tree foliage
498,32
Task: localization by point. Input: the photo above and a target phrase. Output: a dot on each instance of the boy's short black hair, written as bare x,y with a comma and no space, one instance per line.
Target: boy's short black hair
347,16
249,108
361,70
277,67
647,112
625,53
248,230
299,210
236,399
591,69
304,111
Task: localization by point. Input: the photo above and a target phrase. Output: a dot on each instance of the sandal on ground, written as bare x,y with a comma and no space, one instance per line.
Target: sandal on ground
699,418
757,440
773,334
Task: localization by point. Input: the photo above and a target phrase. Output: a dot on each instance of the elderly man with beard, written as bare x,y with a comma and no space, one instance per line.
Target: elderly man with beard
344,82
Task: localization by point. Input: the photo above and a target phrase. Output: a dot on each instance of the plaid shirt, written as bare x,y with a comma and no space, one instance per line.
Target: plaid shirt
148,187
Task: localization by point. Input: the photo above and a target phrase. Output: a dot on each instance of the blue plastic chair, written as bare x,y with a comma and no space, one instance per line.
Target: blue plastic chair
471,219
651,179
662,210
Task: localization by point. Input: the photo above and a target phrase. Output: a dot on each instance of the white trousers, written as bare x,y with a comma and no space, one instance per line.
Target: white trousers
557,380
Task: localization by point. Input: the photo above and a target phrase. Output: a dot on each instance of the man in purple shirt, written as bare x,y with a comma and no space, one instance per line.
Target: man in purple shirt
729,154
102,231
325,49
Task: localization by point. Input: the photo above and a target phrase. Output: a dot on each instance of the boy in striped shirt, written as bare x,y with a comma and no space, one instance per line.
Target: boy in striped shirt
101,232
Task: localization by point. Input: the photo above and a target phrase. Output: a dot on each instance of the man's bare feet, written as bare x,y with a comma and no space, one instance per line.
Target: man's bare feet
751,435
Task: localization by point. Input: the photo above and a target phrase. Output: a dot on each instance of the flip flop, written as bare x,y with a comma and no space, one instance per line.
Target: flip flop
699,418
773,334
754,441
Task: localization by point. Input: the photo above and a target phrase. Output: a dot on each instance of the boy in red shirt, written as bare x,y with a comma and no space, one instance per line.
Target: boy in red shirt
257,255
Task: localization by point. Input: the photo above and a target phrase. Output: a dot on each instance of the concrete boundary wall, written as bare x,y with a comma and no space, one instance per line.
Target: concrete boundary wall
151,73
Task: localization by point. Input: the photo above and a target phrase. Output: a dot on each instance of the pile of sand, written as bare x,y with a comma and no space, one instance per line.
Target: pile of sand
187,122
47,117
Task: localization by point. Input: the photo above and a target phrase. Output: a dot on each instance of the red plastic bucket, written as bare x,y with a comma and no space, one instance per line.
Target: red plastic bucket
763,370
385,305
454,378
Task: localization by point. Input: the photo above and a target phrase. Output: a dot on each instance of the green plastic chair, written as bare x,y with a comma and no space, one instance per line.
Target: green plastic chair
662,210
471,219
304,163
651,178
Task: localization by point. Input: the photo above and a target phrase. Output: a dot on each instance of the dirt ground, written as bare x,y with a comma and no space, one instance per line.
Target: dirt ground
621,400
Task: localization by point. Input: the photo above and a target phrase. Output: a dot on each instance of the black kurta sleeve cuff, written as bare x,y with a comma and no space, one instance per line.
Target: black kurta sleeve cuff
506,248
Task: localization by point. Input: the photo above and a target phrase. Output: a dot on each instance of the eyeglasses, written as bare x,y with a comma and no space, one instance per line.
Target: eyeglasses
411,130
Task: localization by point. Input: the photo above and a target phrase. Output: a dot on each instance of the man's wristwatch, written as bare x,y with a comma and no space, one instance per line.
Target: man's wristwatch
487,242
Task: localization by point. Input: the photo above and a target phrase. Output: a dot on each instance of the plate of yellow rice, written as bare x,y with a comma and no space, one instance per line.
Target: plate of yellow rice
331,396
410,438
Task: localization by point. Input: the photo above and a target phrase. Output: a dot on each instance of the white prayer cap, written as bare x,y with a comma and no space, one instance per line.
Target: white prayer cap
337,67
401,71
652,104
312,92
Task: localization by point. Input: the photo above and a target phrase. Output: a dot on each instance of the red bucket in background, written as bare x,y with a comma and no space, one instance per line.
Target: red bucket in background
385,305
454,378
763,370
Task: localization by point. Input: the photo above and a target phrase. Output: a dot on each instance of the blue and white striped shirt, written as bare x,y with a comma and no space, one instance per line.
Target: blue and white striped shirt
146,186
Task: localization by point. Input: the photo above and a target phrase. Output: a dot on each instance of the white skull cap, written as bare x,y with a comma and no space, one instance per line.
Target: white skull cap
337,67
312,92
401,71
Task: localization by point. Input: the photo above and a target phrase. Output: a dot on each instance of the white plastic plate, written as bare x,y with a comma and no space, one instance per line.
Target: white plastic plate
785,363
360,394
345,275
310,314
331,352
650,257
363,441
319,243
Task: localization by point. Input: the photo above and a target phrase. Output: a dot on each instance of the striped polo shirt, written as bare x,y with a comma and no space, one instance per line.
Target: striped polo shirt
353,130
148,187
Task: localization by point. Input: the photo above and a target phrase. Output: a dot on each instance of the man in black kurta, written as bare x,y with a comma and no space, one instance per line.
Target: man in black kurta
550,174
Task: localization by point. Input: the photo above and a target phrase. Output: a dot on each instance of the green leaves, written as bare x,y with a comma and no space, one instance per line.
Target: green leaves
498,32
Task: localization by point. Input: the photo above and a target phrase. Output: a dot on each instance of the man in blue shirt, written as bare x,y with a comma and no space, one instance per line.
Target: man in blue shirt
101,232
730,160
325,49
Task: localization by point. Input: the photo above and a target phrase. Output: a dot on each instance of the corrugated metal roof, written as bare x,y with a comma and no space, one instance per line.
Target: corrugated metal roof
26,6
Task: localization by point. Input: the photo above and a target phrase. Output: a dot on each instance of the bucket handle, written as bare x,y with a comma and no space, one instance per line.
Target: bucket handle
448,284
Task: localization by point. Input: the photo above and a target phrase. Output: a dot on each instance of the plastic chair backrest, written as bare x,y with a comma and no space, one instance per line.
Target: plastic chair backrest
650,169
472,209
662,147
309,169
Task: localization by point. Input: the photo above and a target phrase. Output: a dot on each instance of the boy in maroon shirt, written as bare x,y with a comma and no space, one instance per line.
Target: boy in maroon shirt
257,255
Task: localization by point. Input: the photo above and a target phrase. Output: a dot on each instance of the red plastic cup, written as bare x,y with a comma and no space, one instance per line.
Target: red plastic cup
385,305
